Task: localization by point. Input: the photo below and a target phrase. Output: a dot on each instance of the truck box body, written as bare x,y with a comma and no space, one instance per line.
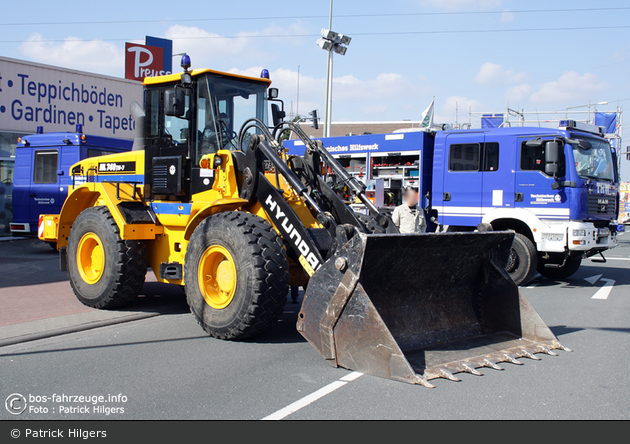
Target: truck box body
42,172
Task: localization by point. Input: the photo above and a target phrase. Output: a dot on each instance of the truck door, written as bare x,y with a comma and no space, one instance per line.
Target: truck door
44,195
533,188
498,179
461,199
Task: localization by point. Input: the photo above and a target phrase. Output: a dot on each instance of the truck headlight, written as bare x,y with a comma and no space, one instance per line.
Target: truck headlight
578,233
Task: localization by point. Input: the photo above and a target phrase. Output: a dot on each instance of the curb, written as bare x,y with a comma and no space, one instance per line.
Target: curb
75,329
11,238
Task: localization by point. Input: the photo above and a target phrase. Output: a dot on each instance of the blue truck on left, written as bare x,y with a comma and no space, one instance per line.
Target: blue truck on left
42,172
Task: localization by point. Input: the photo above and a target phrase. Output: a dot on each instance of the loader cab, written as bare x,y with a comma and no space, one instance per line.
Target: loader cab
192,114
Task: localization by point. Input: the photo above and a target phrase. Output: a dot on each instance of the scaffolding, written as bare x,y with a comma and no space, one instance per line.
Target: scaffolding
515,118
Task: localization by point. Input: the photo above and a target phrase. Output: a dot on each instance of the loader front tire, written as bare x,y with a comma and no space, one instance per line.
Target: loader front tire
523,259
236,275
104,270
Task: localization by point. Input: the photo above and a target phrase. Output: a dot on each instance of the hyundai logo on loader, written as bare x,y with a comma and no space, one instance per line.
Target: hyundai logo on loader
308,259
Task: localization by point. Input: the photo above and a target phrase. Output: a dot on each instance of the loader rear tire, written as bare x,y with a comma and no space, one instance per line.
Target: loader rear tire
236,274
523,260
104,270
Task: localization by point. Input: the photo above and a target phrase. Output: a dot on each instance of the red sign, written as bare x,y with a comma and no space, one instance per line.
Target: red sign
143,61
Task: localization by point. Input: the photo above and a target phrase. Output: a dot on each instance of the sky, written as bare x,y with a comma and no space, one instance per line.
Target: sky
471,55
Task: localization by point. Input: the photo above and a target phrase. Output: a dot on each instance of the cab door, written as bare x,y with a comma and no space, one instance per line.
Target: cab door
462,195
44,194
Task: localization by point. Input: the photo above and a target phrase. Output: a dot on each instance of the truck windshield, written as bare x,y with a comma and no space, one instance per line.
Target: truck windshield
595,163
223,105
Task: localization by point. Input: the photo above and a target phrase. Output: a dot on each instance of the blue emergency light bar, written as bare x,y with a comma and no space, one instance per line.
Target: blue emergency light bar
586,127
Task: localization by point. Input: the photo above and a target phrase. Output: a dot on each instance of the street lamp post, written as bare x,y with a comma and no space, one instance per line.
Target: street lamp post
332,42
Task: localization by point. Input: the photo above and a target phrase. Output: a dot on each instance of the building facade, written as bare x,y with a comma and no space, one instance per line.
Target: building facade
34,95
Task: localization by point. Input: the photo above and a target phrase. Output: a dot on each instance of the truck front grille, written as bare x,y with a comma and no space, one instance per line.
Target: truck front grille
598,204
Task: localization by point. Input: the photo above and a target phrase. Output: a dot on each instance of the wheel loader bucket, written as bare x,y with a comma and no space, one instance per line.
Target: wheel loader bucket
415,307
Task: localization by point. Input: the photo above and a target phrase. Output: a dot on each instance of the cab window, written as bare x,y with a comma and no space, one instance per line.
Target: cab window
45,166
533,159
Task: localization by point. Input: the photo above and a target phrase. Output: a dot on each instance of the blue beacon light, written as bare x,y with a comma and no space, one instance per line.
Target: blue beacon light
264,74
185,64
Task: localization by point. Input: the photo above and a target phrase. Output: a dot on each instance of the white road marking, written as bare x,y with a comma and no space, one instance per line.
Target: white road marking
603,292
618,258
301,403
593,279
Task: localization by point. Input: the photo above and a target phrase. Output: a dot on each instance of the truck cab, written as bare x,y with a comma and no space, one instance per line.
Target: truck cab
42,172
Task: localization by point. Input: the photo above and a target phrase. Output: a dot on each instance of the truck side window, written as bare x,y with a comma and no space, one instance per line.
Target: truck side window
45,166
464,157
491,156
533,159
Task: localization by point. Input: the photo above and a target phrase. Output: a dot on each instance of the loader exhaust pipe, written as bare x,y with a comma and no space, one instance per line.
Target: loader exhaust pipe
136,111
415,307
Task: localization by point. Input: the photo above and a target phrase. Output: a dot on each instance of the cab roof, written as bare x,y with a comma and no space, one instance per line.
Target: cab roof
69,139
196,72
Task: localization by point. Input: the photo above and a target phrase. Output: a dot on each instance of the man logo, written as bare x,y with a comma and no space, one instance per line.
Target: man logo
172,170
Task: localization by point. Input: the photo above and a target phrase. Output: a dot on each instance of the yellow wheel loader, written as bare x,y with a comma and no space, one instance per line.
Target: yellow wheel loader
234,220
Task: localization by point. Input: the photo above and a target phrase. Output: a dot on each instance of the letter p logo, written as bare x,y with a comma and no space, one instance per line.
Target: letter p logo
141,60
137,64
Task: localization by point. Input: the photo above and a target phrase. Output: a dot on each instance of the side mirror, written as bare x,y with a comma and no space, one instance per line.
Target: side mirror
585,145
276,114
174,102
314,118
552,157
534,143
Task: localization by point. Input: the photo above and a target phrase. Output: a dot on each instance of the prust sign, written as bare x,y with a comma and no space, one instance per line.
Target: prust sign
152,59
58,99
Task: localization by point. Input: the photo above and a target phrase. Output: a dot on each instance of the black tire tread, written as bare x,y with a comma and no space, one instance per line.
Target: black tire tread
131,266
533,255
570,268
271,275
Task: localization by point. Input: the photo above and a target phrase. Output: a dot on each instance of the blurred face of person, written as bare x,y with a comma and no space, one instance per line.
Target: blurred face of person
411,197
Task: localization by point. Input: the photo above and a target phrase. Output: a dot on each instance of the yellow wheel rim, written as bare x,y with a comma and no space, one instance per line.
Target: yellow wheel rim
217,277
90,258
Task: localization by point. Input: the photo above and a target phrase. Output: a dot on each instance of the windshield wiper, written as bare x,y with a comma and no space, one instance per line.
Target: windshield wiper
592,176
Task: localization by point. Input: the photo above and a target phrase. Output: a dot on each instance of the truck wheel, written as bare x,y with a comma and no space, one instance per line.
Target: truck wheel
569,268
236,274
523,259
105,271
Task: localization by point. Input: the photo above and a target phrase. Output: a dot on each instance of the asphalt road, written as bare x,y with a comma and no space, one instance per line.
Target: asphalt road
165,367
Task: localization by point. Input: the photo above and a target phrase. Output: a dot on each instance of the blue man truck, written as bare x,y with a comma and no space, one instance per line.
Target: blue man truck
557,188
42,172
